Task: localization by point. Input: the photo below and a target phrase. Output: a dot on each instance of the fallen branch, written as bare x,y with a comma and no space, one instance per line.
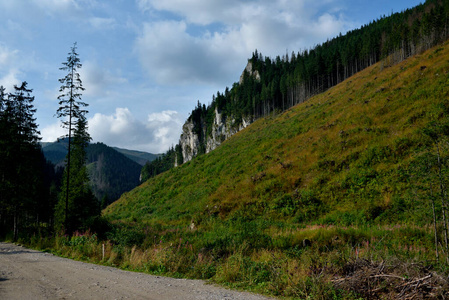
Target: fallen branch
387,275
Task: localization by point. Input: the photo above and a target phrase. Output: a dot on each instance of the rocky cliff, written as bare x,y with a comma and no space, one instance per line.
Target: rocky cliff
203,137
222,128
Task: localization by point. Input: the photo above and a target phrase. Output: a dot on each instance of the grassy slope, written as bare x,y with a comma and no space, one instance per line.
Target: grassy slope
343,150
286,205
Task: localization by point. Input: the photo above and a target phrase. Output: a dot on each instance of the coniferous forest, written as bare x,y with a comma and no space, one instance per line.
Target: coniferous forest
276,84
27,181
341,197
34,196
271,85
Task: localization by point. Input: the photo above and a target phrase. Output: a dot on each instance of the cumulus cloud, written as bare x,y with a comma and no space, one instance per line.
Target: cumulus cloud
10,79
7,55
56,7
102,23
52,132
166,127
213,39
99,81
123,130
9,71
201,12
172,56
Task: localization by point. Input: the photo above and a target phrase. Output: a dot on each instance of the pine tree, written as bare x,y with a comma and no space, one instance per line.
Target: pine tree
20,152
82,204
72,109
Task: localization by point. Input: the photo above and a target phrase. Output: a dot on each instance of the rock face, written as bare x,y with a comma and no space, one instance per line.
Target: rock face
222,129
249,70
189,141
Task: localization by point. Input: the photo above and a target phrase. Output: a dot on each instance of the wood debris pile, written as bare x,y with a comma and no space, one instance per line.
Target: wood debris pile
399,280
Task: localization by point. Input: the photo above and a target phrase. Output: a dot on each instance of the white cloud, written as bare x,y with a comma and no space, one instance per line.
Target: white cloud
202,12
166,127
52,132
123,130
102,23
55,7
172,56
187,51
7,56
8,69
99,81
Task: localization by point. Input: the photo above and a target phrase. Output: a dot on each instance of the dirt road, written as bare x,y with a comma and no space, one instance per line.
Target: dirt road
29,274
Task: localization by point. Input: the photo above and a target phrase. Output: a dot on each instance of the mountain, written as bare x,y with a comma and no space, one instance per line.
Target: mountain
366,128
111,172
301,202
57,151
270,85
138,156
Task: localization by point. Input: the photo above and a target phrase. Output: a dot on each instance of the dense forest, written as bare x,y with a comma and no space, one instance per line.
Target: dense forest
35,196
165,162
274,85
110,172
28,183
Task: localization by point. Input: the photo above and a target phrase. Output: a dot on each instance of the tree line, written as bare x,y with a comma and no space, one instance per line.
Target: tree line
33,196
286,81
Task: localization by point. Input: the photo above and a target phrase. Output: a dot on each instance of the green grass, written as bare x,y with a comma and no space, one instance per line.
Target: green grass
297,199
340,177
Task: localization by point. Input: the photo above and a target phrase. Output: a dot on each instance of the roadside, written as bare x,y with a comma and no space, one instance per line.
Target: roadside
30,274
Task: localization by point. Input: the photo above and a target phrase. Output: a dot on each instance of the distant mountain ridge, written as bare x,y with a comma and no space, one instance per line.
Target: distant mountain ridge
57,151
139,157
112,171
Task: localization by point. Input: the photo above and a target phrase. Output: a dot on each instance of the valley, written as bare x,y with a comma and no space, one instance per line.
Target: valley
321,174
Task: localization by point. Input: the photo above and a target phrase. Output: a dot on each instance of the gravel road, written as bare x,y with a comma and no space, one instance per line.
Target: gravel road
30,274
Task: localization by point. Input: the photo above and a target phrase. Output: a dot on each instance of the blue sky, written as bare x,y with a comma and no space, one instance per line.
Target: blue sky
146,63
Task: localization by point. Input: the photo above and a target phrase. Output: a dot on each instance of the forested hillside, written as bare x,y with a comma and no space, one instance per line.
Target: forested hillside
336,190
275,84
111,173
28,183
139,157
340,197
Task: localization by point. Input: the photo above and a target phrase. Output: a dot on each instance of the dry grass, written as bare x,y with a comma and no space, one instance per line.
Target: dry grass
391,280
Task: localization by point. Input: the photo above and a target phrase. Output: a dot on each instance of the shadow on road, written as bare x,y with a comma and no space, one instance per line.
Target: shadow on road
6,249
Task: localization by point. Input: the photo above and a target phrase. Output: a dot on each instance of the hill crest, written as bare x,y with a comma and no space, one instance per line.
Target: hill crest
337,158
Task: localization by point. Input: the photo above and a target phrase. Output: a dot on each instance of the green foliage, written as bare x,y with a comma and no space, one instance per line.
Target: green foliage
162,163
276,206
111,174
290,205
276,84
77,204
26,178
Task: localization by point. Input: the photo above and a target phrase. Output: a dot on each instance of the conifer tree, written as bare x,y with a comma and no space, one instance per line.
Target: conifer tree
82,204
20,153
71,108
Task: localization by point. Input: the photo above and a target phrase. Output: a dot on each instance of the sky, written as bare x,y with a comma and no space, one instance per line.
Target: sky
146,63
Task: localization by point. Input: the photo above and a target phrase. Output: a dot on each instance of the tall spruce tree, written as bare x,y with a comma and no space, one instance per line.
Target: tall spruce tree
71,109
82,204
20,152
